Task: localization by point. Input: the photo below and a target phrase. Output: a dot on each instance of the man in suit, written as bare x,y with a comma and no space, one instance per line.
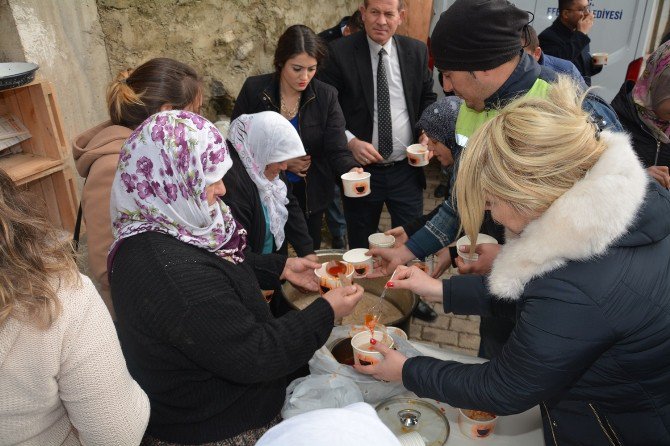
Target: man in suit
384,84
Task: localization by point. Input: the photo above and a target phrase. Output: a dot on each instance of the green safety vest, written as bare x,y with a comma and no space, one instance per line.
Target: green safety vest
469,120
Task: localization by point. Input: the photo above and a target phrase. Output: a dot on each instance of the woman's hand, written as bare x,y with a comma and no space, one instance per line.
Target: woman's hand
399,234
344,299
300,272
442,262
389,368
390,259
300,165
357,170
415,280
660,174
487,254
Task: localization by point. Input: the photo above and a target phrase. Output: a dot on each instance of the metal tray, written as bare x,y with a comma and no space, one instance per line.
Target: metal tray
15,74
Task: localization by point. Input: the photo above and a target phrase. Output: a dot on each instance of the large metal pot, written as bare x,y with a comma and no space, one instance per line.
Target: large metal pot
403,301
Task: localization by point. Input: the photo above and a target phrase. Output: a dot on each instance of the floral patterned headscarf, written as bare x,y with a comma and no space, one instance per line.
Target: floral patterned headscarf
261,139
651,89
160,181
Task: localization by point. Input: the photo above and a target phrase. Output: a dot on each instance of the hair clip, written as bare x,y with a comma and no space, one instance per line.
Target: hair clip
599,123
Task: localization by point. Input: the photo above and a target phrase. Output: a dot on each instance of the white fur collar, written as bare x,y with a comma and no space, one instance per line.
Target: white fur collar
581,224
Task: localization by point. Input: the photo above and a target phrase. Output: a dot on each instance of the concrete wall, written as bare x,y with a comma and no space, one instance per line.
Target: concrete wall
225,41
65,39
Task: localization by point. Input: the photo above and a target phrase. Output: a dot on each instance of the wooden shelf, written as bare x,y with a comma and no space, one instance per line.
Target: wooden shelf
41,167
26,167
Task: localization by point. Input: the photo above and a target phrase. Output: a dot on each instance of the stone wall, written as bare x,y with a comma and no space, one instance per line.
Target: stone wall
225,41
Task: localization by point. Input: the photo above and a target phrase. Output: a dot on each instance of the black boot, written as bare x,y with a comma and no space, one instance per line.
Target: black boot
424,312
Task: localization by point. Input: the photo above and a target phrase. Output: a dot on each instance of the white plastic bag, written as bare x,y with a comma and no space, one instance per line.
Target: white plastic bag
319,392
323,362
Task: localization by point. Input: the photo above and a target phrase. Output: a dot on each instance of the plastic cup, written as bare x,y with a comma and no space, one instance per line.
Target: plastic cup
328,282
465,240
398,332
599,58
361,345
475,428
381,240
362,263
356,184
417,155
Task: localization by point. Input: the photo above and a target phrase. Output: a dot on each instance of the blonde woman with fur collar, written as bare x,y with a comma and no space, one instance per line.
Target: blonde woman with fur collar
585,271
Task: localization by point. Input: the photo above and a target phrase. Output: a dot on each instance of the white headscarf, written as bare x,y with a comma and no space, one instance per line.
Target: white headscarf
261,139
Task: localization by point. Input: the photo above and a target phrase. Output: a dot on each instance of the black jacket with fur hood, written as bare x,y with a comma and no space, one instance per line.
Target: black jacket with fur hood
589,285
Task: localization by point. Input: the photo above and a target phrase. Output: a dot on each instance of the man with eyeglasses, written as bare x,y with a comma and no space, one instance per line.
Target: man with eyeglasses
567,38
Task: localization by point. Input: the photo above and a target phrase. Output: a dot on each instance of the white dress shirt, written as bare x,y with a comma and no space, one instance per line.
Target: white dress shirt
402,130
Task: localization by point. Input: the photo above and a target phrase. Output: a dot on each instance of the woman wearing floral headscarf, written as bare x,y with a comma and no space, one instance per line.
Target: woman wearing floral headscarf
260,145
195,330
644,111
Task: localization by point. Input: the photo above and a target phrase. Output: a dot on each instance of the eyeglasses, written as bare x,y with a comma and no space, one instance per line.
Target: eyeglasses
584,10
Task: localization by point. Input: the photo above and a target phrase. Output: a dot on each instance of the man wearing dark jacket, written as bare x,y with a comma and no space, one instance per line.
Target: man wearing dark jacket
567,38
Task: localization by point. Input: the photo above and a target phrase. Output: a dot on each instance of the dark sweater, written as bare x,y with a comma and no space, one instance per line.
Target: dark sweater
200,340
245,202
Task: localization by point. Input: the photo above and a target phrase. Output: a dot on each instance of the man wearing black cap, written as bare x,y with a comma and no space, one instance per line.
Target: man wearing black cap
477,48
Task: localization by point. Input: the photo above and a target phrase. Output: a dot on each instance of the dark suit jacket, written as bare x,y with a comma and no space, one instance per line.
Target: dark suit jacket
349,70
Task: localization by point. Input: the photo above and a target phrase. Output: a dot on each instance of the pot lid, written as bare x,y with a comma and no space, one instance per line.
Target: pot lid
404,415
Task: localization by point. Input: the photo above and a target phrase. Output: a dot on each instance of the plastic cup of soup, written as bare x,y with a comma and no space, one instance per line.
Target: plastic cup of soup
465,241
476,424
361,262
329,279
417,155
381,240
363,353
355,184
599,58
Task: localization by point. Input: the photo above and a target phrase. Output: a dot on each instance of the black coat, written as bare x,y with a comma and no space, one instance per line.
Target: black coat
589,285
561,42
645,144
321,129
200,340
245,202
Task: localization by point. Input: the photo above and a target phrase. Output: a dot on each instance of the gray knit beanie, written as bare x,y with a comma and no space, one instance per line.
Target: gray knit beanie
477,35
438,120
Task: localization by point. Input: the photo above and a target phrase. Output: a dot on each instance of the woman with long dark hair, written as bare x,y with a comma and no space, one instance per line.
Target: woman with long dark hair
312,107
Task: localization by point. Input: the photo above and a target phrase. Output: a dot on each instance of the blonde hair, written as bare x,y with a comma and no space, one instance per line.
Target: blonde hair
529,155
34,258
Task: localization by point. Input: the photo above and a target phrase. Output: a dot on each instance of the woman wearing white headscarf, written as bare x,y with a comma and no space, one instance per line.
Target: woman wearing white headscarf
260,145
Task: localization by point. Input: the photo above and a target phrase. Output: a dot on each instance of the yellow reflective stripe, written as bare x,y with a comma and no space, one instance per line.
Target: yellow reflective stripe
469,120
